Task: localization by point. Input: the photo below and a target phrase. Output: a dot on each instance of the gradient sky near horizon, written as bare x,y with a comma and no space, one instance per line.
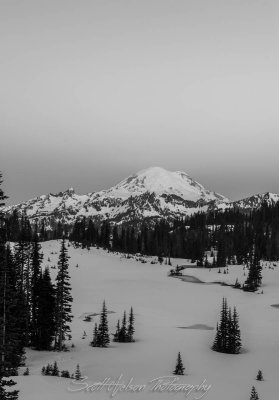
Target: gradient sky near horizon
94,90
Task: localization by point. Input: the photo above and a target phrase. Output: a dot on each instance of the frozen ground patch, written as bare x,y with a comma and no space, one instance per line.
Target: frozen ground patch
190,278
201,327
93,314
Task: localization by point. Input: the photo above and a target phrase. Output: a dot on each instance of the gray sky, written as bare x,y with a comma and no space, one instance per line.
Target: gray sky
93,90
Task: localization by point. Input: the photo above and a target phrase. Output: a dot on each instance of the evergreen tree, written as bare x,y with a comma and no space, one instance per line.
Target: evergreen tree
63,299
65,374
22,262
45,323
11,343
160,259
48,370
221,247
131,329
217,344
11,322
259,376
122,337
55,370
24,276
224,326
254,394
10,394
103,333
230,343
77,373
116,334
95,340
36,260
254,278
8,332
179,368
235,344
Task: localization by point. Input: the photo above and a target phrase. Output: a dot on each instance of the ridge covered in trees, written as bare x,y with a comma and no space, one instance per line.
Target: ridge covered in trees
231,232
234,235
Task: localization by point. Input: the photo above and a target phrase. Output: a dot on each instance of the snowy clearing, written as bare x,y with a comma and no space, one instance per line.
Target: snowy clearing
162,305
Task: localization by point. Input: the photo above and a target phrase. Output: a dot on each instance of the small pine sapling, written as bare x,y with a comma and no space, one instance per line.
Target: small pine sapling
179,368
77,373
260,376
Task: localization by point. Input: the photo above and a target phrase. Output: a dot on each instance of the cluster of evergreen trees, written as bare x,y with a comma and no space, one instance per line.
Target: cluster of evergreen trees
125,333
228,338
53,370
254,394
34,312
43,309
14,228
11,343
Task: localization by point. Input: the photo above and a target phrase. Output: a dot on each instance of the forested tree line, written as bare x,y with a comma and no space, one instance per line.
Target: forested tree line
42,310
33,311
231,233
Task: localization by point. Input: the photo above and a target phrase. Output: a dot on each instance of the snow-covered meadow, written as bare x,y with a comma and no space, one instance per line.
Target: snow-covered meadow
163,306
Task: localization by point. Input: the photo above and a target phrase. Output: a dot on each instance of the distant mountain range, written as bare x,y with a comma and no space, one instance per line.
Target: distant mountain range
151,193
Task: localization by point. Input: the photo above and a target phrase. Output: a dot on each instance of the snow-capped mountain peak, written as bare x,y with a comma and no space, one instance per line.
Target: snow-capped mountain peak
160,181
150,193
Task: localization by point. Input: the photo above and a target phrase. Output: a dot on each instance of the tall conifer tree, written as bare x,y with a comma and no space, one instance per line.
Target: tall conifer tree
63,299
131,329
36,260
45,324
103,333
9,341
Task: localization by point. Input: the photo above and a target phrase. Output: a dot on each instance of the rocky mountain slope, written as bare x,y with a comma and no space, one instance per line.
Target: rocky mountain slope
150,193
255,201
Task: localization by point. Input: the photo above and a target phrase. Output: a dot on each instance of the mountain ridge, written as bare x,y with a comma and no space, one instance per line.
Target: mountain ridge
151,193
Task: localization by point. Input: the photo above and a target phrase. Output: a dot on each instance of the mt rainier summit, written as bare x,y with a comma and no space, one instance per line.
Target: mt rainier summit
151,193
